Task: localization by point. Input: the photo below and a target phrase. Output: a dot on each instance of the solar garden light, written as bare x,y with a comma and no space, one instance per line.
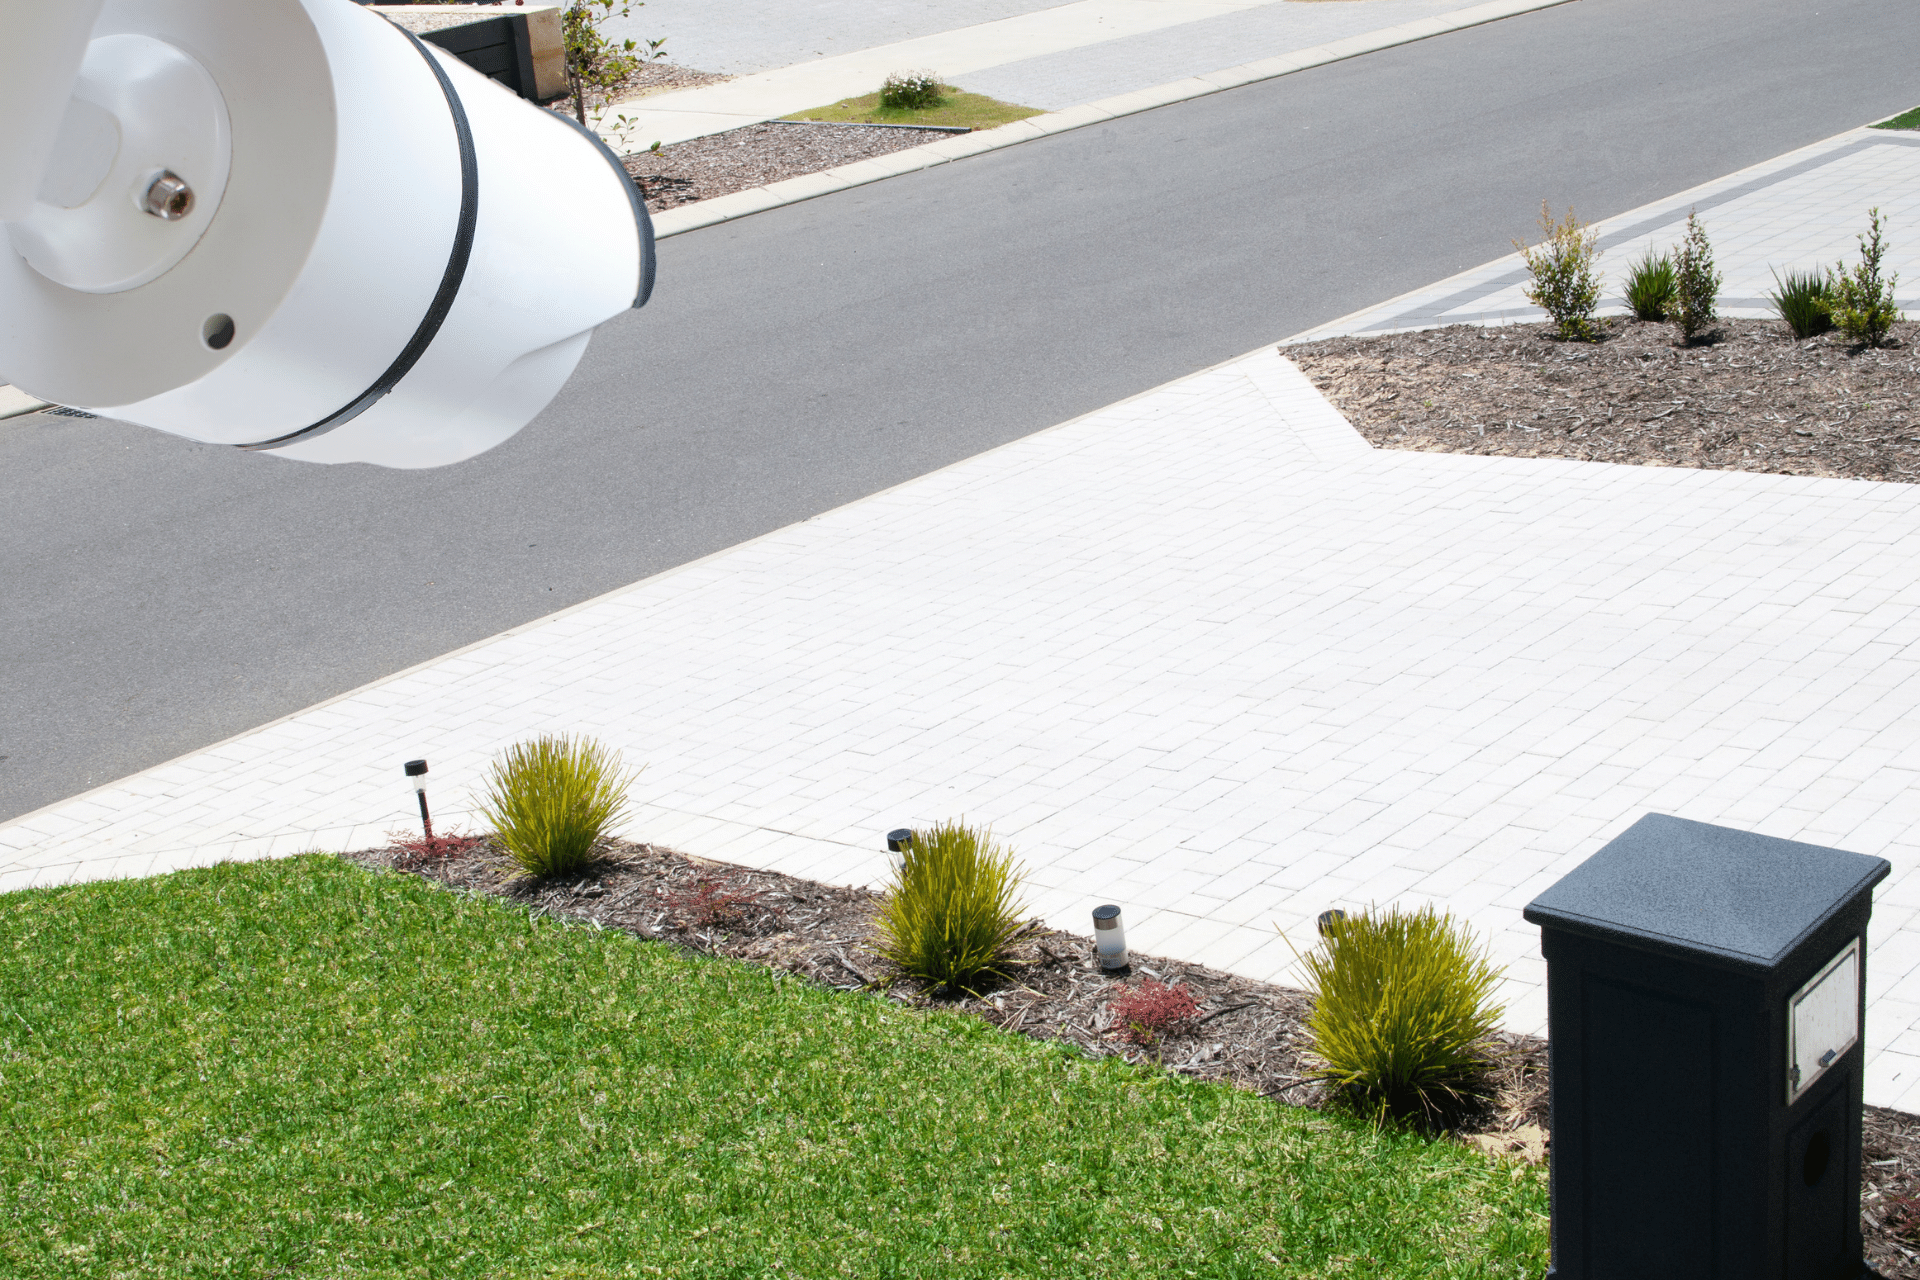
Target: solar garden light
898,842
1109,937
417,779
1328,919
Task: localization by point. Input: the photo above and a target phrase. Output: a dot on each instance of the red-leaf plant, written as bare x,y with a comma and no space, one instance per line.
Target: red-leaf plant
1153,1010
710,906
419,849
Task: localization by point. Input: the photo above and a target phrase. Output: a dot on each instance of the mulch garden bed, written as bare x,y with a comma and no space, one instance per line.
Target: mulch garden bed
645,80
1248,1034
757,154
1750,398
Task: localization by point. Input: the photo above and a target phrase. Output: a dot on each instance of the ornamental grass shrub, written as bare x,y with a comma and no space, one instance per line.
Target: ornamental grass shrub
911,90
1696,284
1860,302
1565,284
1801,300
1402,1015
551,800
1650,286
950,914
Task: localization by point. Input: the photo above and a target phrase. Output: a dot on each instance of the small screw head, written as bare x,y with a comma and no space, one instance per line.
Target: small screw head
168,197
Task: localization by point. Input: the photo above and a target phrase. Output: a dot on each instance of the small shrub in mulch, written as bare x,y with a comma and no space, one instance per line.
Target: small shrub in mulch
1696,293
1404,1014
951,913
709,906
1153,1011
1564,283
551,798
415,850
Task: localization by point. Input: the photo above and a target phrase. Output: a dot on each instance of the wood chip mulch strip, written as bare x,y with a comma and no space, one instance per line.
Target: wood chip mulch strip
1248,1034
757,154
1752,399
645,80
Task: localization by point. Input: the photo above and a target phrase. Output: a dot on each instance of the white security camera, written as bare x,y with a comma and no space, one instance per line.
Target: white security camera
291,226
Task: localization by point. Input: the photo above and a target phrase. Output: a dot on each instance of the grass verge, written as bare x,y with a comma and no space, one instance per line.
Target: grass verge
957,109
1905,120
301,1068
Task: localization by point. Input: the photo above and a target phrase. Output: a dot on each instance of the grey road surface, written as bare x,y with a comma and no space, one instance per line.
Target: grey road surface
160,595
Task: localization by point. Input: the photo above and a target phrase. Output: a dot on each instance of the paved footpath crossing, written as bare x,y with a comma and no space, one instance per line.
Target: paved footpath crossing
1206,654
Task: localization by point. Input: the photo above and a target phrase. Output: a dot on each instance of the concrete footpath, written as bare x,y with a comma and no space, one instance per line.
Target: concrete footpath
1054,58
1206,654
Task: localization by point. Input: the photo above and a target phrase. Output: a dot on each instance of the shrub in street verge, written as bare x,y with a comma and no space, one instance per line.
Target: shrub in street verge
552,799
1402,1013
1696,283
911,90
1565,284
950,913
1861,302
1801,300
1650,287
595,64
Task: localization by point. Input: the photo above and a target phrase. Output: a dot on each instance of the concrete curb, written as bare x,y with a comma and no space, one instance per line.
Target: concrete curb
740,204
14,402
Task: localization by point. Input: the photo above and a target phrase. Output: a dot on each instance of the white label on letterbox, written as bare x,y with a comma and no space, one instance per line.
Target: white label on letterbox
1823,1020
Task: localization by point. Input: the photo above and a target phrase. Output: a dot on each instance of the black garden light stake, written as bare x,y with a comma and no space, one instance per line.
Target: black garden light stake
898,841
417,779
1328,919
1109,937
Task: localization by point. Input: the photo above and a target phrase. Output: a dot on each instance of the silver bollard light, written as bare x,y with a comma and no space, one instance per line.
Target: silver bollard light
1109,937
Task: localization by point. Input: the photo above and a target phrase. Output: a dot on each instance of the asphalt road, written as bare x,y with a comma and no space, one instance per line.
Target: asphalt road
160,595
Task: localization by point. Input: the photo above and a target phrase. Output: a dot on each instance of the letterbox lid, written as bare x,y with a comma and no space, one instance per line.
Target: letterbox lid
1713,893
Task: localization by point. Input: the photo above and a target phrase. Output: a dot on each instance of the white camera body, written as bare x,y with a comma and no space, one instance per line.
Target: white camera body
291,226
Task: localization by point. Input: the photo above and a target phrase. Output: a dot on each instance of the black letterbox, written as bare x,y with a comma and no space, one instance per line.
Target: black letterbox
1705,996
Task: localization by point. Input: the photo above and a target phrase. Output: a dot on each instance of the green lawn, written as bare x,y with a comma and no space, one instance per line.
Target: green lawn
1905,120
956,109
301,1068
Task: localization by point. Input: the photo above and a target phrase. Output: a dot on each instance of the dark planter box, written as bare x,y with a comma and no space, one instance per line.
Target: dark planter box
1706,993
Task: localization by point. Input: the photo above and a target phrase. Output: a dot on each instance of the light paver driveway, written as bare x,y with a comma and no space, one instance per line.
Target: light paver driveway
1205,654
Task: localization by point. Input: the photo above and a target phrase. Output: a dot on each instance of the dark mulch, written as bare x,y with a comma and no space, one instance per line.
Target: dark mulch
758,154
1890,1192
1752,399
1248,1034
645,80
